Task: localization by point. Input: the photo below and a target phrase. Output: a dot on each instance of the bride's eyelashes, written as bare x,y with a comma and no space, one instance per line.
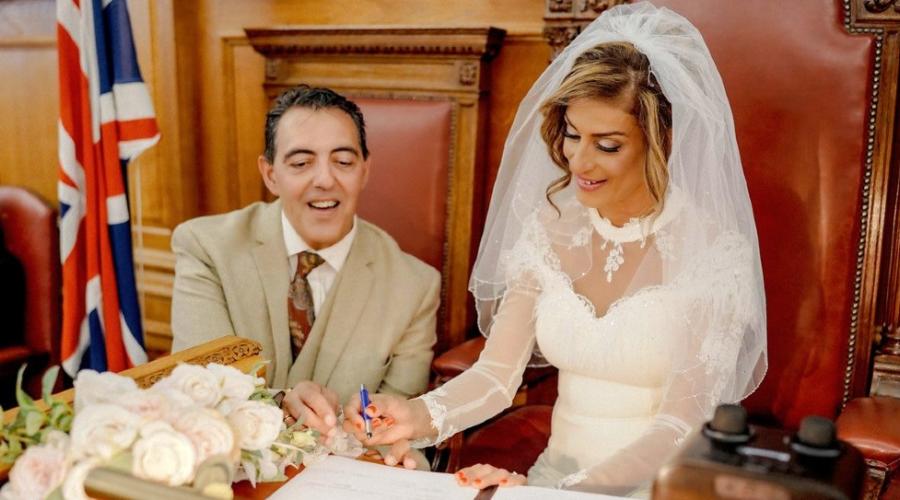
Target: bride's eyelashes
600,145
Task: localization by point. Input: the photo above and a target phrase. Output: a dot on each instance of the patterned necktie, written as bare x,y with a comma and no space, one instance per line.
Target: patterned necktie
301,313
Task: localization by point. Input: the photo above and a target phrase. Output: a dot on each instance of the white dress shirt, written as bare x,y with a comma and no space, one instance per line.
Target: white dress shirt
322,277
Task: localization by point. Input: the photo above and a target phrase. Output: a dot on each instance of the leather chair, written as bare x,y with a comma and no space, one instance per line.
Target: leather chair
29,229
800,89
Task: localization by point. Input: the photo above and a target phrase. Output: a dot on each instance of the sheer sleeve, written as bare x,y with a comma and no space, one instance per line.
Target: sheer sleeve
703,376
488,387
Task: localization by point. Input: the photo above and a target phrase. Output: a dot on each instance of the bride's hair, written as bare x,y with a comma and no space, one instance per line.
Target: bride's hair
615,72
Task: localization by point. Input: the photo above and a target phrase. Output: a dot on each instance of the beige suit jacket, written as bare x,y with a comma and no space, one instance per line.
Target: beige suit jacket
377,325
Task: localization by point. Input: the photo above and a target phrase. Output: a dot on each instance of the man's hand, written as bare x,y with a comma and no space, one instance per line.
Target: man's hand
315,405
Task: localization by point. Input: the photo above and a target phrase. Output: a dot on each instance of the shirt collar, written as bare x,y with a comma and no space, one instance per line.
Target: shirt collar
334,256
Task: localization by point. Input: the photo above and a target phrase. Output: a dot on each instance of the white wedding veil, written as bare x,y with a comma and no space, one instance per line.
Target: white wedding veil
709,251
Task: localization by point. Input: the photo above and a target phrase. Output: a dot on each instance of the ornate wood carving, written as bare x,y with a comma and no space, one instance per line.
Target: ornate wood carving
419,63
468,73
878,6
563,20
295,41
230,352
877,14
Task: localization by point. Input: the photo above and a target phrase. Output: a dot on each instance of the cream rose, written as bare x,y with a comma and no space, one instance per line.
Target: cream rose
36,473
208,431
234,383
92,387
151,405
103,430
200,384
163,455
256,424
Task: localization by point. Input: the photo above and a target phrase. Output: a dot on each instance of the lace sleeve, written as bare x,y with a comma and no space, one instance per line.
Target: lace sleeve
722,310
488,387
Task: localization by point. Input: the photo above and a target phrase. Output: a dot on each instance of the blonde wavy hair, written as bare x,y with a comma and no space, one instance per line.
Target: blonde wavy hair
616,72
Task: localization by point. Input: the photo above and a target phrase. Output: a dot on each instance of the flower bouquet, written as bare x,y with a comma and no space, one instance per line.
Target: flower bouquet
194,418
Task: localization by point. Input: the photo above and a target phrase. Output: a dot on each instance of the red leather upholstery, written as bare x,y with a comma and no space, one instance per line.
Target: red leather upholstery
30,232
406,195
856,422
799,89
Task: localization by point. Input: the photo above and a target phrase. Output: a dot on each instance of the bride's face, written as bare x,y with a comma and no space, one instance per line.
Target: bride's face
606,151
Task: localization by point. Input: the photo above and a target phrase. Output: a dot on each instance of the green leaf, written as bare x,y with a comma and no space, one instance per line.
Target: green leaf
56,494
22,398
47,383
34,421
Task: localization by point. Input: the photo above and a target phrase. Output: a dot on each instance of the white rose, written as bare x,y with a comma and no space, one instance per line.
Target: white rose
197,382
208,431
107,387
36,473
234,383
175,399
163,455
103,430
152,405
256,424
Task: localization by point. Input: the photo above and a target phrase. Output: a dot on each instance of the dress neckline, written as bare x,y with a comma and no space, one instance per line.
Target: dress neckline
637,228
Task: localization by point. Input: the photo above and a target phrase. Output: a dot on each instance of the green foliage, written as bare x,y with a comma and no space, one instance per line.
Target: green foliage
33,423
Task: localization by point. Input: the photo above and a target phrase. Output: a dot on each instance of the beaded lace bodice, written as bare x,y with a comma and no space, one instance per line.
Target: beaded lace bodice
620,336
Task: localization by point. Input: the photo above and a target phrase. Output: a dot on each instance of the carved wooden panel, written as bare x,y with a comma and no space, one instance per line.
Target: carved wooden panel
407,63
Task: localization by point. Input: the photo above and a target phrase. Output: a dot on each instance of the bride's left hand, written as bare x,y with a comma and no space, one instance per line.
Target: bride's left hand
483,475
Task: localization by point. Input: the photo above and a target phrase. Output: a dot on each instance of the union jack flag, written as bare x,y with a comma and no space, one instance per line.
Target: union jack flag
105,119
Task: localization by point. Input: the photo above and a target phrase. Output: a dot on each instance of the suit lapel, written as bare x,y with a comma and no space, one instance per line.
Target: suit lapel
350,294
272,264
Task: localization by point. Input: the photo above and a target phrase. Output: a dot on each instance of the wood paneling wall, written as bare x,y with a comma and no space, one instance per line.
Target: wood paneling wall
206,83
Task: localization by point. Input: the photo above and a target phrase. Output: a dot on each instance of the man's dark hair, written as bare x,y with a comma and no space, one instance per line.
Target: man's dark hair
315,98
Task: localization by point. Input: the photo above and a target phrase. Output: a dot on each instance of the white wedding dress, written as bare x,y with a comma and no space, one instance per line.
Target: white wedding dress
640,364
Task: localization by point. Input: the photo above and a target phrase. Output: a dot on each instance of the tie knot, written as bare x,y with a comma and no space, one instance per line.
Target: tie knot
306,262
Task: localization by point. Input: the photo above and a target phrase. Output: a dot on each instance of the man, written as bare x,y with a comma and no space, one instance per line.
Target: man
331,298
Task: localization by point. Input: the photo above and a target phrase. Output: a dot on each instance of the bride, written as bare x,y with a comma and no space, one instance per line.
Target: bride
620,247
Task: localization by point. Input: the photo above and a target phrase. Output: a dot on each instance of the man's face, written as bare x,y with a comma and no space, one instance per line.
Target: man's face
318,172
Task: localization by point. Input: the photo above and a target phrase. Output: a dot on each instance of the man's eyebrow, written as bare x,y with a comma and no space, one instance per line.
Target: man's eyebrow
345,149
603,134
304,151
298,151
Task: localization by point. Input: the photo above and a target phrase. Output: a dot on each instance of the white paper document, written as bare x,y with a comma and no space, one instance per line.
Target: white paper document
535,493
339,478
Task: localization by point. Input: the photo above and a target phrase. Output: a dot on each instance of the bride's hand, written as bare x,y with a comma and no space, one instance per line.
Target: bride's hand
393,419
483,475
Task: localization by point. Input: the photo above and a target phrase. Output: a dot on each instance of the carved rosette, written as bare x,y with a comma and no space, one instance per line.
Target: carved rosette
468,73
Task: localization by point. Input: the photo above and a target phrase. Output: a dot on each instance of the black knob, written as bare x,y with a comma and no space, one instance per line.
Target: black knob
729,425
816,431
816,438
729,419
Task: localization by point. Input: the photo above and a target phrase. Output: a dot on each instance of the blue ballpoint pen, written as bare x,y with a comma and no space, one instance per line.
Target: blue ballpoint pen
364,401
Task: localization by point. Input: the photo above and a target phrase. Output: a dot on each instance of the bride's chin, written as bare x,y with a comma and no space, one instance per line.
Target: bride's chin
591,200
